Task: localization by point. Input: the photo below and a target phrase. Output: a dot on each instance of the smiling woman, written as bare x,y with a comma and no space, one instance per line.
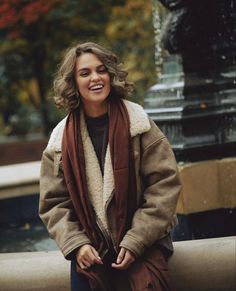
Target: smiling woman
93,82
109,183
66,91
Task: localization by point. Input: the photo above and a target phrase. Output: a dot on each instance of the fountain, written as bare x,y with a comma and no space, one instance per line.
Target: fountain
194,102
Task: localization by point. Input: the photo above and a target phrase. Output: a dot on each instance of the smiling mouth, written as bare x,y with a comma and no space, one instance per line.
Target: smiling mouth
96,87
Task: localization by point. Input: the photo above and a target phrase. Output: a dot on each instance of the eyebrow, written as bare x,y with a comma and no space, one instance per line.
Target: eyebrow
84,69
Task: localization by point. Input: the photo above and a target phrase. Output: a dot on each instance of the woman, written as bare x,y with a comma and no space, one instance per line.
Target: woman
109,182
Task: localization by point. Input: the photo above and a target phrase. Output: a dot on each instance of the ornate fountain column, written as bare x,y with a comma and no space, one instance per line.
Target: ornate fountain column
203,34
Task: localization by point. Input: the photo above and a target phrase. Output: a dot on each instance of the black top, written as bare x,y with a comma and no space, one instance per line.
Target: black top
98,132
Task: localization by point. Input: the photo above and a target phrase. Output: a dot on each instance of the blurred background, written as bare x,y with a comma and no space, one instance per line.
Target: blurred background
182,60
34,36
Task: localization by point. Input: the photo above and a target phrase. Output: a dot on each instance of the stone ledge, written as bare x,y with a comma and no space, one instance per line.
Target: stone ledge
198,265
19,179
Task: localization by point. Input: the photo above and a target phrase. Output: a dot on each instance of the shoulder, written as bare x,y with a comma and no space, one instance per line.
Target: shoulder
153,137
139,120
155,132
55,139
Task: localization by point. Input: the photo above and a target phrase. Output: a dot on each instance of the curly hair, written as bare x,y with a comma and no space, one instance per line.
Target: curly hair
66,91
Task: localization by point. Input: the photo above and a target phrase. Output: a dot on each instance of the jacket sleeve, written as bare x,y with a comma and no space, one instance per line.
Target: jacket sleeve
55,206
155,216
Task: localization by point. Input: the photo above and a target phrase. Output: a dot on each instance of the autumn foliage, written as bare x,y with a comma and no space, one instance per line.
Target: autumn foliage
35,33
17,13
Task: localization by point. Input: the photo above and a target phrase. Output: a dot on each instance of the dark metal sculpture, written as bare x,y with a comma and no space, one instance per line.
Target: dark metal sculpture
203,33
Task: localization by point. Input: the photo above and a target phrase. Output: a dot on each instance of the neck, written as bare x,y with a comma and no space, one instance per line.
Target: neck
95,110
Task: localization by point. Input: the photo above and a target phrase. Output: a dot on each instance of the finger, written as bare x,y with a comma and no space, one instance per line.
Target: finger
121,256
122,266
98,259
85,257
82,252
127,261
92,258
82,265
87,263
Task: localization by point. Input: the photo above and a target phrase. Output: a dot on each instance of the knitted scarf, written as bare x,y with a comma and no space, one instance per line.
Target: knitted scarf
125,191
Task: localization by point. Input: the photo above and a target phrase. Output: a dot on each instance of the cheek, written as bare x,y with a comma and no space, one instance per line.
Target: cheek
108,80
80,84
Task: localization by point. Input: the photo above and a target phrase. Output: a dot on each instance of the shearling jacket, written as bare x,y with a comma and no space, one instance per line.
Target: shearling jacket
158,187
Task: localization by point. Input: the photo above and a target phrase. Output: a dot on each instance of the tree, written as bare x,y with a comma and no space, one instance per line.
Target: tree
130,33
23,48
34,35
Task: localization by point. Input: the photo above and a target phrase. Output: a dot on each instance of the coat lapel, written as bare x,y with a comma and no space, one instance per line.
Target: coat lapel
100,188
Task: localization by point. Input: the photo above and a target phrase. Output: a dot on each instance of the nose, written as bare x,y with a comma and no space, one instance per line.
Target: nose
95,76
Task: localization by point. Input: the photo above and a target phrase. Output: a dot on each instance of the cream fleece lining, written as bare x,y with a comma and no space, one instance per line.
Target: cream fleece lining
100,188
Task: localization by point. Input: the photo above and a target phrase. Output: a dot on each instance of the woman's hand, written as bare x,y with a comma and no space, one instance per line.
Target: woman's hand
87,256
124,260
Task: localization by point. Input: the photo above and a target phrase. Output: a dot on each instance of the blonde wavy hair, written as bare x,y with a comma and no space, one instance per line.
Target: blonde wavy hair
65,89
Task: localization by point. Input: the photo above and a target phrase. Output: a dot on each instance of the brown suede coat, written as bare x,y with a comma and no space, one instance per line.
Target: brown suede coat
158,187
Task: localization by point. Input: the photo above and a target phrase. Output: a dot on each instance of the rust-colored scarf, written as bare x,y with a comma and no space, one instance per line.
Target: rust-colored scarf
124,178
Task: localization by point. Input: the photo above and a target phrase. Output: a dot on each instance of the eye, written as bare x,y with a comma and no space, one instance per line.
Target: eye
84,73
102,70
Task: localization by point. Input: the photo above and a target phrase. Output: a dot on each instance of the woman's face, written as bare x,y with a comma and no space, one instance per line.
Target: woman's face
92,79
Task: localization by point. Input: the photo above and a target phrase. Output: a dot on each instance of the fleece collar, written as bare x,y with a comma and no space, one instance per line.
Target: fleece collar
139,123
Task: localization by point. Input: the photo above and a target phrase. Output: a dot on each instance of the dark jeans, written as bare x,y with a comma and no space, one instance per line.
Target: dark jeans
78,281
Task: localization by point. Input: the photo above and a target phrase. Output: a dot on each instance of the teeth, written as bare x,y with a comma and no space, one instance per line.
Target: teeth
95,87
